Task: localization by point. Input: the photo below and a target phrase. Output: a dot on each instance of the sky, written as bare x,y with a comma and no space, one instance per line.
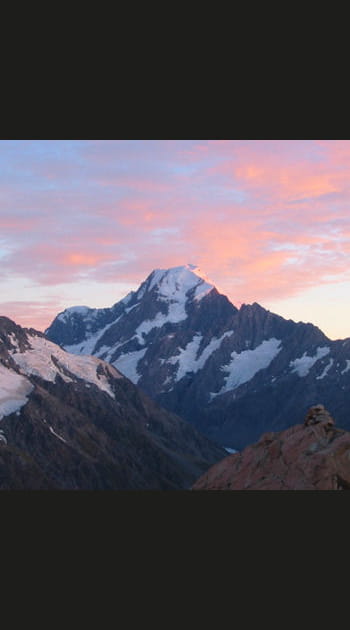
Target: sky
86,221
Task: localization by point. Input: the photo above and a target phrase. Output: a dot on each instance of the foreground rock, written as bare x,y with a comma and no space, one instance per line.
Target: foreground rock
310,456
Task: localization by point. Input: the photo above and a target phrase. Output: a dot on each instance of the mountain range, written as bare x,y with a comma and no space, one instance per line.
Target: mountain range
75,422
232,373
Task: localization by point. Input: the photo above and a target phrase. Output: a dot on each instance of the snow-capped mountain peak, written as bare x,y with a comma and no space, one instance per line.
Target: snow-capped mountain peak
175,283
167,301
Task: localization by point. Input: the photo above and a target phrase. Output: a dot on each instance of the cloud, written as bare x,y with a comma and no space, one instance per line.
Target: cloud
33,314
263,219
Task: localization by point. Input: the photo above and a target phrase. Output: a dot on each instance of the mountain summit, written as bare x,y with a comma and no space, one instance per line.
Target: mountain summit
233,373
178,283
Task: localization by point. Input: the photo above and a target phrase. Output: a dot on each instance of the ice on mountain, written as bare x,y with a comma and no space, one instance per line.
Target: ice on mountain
326,369
127,364
14,391
176,282
347,367
188,359
246,364
38,361
88,345
303,365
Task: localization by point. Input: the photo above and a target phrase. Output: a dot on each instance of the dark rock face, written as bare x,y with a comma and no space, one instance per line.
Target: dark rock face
232,373
310,456
85,426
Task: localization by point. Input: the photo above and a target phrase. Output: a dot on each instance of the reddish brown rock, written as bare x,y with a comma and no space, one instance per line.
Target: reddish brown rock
312,456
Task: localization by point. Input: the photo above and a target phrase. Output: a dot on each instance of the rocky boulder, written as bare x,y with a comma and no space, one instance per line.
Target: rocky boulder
310,456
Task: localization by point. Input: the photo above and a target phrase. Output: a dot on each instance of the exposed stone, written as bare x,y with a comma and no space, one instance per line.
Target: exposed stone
318,415
310,456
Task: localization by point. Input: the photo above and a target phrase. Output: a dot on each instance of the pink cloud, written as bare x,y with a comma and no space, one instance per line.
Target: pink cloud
263,219
34,314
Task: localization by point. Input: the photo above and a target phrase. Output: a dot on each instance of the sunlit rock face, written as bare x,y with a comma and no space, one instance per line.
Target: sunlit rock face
232,373
314,455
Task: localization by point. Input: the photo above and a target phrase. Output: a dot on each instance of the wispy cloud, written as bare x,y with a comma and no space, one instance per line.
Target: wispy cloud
264,219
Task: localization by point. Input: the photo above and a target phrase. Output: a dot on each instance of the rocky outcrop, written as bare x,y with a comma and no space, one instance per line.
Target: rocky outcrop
314,455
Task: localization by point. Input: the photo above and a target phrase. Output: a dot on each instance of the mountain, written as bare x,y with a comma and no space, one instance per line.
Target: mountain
233,373
75,422
310,456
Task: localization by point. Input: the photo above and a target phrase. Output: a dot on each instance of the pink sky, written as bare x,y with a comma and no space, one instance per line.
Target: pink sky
83,222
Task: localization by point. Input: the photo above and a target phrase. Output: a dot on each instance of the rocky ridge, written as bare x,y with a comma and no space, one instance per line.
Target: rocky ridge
75,422
314,455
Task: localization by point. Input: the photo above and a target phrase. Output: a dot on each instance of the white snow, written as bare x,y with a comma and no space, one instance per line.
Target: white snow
14,390
347,368
78,310
246,364
175,283
127,364
88,345
188,360
172,287
130,308
202,289
176,314
38,361
230,450
324,373
56,434
303,365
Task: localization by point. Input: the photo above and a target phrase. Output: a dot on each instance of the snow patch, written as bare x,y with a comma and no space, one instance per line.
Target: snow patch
176,313
188,360
328,367
202,289
38,361
73,310
347,368
127,310
56,434
127,364
88,345
246,364
303,365
14,391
